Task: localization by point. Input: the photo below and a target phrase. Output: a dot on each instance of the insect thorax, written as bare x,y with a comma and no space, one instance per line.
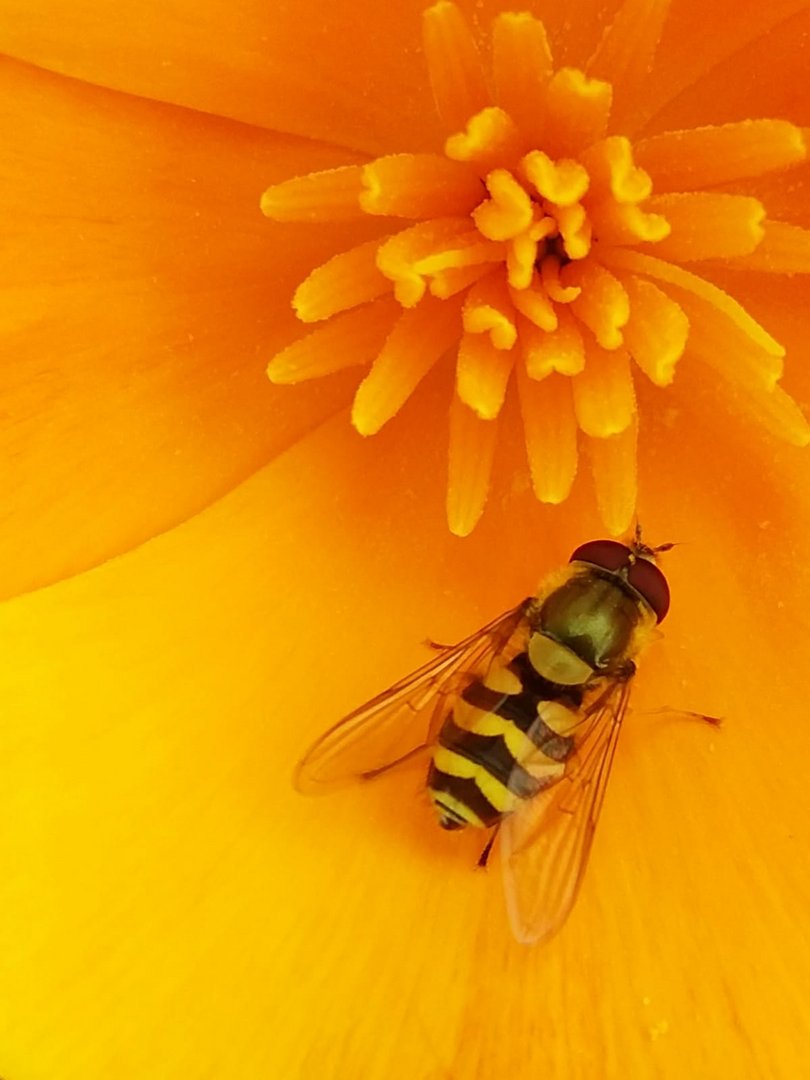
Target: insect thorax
585,620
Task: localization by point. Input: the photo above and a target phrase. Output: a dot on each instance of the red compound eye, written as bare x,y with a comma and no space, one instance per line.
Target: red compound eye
609,554
647,579
643,575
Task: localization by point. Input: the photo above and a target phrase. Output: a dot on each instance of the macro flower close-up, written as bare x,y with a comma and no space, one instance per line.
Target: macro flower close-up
332,330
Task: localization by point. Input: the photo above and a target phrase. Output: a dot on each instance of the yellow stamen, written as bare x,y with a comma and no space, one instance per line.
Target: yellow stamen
521,256
471,452
602,305
345,281
575,230
550,431
561,350
550,274
419,186
455,279
614,466
509,210
482,374
412,348
348,340
617,223
708,225
453,63
490,137
424,249
534,303
785,249
522,252
728,351
332,195
467,250
613,171
488,311
622,259
707,156
561,182
604,399
522,65
778,413
577,111
656,332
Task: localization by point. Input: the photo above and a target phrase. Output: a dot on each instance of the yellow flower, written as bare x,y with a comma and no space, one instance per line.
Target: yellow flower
550,244
229,568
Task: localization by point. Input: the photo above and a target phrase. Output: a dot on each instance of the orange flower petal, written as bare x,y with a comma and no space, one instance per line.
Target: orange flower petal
454,65
625,54
522,65
469,467
482,373
288,69
138,314
550,428
784,249
604,400
419,185
162,839
656,332
698,82
353,338
345,281
706,156
331,195
414,345
778,413
175,832
172,844
705,225
614,467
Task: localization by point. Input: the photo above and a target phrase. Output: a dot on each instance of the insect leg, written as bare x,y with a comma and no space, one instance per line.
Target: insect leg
683,714
484,856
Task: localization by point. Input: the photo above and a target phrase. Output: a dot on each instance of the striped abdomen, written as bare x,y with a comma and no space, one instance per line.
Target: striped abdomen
505,740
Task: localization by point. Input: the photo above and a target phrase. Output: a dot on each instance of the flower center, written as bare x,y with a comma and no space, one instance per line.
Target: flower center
534,244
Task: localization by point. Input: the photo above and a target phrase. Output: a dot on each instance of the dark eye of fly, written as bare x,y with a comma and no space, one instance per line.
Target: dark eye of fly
609,554
643,575
647,579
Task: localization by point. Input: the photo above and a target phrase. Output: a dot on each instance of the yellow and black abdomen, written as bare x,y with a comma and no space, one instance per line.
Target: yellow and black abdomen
479,771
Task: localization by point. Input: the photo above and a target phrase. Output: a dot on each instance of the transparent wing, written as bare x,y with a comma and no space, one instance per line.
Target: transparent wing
545,844
406,717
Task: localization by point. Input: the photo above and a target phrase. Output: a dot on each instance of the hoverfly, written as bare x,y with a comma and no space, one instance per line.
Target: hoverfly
521,721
